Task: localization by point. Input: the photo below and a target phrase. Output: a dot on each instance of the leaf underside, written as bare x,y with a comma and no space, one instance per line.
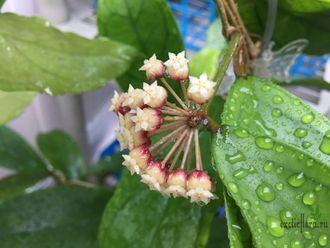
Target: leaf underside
273,156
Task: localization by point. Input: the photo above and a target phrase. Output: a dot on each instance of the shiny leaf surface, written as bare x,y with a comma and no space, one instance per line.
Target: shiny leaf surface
60,217
149,26
17,154
295,19
273,156
13,104
18,184
107,164
62,153
137,217
37,57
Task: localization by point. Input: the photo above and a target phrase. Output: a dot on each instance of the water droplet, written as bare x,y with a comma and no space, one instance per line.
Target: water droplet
307,118
306,144
296,243
277,112
274,227
233,187
301,156
289,111
246,149
232,107
310,162
318,187
185,81
275,122
235,158
257,153
279,186
280,148
323,240
296,180
246,121
300,132
268,166
265,192
297,102
318,123
247,110
166,72
264,143
299,112
277,99
241,173
309,198
307,234
287,215
222,176
325,145
266,88
279,170
241,132
307,107
246,204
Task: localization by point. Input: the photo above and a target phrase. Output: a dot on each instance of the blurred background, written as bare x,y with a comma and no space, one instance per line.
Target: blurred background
86,117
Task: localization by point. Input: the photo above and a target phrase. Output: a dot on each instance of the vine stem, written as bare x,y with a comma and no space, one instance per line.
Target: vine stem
223,68
223,16
270,24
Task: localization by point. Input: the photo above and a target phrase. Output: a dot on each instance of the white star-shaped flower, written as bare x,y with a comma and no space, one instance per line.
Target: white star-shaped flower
129,96
176,61
201,85
164,191
121,120
150,92
151,182
176,191
149,63
199,194
131,164
128,138
122,140
114,101
140,119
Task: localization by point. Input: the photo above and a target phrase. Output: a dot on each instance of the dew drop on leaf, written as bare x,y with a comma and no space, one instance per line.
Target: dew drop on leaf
323,240
279,186
300,132
296,243
266,88
279,170
235,158
307,118
310,162
264,143
246,204
297,180
280,148
306,144
325,145
297,102
277,112
274,227
268,166
241,132
309,198
265,192
287,215
233,187
307,234
277,99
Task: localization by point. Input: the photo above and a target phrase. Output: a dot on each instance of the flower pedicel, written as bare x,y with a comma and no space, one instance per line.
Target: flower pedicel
142,114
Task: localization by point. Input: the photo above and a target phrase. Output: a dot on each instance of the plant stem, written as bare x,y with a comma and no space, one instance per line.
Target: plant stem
184,141
167,128
223,68
270,24
223,16
184,92
174,94
177,108
191,135
199,165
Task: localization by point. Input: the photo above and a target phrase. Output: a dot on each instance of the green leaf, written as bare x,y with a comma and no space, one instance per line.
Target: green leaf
18,184
17,154
60,217
295,19
314,82
238,230
39,57
204,60
273,152
147,25
107,164
13,104
2,2
214,39
138,217
310,208
319,216
317,210
63,153
218,234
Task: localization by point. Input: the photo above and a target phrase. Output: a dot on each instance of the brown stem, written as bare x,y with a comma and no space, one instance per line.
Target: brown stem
167,128
199,165
184,141
177,108
162,140
184,92
231,15
173,149
223,16
190,153
167,112
187,149
174,94
211,125
175,118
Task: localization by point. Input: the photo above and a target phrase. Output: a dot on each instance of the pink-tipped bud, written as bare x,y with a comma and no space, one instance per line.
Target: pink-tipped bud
147,119
142,156
156,171
177,66
200,179
178,178
200,90
128,123
132,100
140,137
160,101
117,102
154,68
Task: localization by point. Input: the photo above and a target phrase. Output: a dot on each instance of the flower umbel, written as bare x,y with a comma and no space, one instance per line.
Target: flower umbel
141,115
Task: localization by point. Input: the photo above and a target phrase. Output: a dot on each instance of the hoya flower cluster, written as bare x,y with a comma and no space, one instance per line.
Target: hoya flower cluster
144,113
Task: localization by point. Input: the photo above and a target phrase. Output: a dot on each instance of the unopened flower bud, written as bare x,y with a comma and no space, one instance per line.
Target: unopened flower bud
140,137
117,102
154,68
147,119
155,170
200,90
142,156
200,179
178,177
128,123
177,66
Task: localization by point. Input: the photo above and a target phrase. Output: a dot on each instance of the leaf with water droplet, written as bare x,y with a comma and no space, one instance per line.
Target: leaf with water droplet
300,167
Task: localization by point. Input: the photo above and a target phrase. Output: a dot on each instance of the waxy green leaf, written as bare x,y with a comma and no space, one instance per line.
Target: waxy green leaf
149,26
19,183
139,218
218,234
273,156
295,19
13,104
60,217
17,154
37,57
62,153
107,164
